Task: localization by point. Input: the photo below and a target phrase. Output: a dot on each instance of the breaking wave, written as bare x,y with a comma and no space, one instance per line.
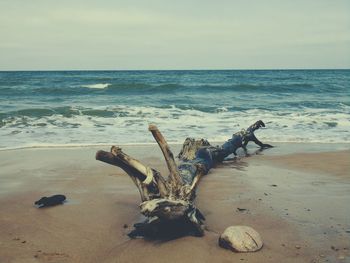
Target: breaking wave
97,86
114,124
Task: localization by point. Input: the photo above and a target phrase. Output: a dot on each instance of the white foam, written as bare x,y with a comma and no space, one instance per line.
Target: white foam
97,86
130,126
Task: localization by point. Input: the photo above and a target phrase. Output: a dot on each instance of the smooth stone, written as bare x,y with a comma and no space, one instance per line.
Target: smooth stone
240,239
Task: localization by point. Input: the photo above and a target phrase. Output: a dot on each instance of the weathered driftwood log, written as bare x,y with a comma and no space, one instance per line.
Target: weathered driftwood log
169,203
164,201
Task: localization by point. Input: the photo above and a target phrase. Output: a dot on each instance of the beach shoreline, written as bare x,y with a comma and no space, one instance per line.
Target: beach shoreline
288,196
283,147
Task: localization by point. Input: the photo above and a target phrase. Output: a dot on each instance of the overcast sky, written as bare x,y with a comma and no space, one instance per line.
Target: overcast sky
164,34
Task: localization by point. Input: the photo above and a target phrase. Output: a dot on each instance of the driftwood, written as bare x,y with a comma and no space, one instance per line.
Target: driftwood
168,203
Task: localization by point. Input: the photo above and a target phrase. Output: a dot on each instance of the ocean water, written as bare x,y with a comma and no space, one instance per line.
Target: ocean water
115,107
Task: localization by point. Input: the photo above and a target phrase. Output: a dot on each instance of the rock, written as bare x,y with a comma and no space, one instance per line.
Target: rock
334,248
240,239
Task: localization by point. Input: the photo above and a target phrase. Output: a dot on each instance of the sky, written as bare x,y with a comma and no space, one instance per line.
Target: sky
164,34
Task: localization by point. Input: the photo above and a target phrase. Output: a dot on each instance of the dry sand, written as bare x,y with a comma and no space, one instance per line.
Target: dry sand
299,203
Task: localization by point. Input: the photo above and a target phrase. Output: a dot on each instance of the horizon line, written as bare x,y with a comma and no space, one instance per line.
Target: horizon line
244,69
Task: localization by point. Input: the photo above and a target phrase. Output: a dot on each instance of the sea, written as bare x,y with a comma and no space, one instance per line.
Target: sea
79,108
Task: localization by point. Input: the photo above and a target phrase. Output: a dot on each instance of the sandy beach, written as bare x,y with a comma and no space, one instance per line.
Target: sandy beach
296,197
79,77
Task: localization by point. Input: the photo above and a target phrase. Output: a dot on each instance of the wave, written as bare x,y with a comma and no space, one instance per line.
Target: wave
128,124
142,88
167,88
97,86
173,110
106,112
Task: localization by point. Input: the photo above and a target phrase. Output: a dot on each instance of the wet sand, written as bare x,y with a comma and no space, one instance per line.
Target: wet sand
298,202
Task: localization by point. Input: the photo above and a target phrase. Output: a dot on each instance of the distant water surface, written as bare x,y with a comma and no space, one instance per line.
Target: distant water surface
115,107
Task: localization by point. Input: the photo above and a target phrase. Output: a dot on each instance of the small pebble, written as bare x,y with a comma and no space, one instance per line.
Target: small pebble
24,241
334,248
125,226
298,247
